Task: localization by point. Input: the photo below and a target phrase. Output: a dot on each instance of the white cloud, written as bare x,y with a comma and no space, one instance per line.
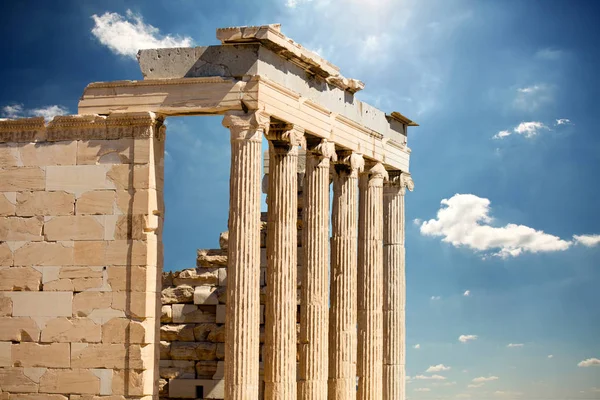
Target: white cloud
502,134
483,379
13,111
515,345
431,377
126,35
417,221
550,356
531,98
563,121
417,346
527,129
465,221
474,385
590,362
467,293
507,393
587,240
438,368
422,390
435,297
467,338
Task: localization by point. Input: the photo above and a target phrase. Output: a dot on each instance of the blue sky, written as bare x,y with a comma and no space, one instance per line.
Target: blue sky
506,93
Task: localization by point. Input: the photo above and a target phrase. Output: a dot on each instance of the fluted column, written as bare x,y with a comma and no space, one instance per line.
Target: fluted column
342,317
243,274
314,309
282,260
394,286
370,282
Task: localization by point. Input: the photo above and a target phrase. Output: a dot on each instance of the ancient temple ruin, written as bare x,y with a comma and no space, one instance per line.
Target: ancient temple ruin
285,309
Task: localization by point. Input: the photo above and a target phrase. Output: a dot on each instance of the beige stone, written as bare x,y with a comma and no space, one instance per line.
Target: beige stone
201,331
121,176
197,277
78,179
90,253
82,284
77,381
106,355
165,350
5,305
7,207
135,304
44,253
45,203
224,240
21,179
19,329
79,272
223,277
9,155
140,201
42,304
211,258
86,302
96,202
5,354
40,396
187,388
205,295
166,314
177,294
122,330
179,332
129,252
120,151
15,381
52,355
193,351
20,278
44,154
217,335
74,228
21,229
6,255
189,313
129,381
208,369
183,369
69,330
133,278
59,285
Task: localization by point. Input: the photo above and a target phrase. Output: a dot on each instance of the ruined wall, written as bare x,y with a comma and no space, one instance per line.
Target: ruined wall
80,256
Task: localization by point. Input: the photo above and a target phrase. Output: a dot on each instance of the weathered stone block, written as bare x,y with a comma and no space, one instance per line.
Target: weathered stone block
5,354
171,369
132,278
120,151
77,381
21,229
85,303
135,304
44,253
42,304
6,255
189,313
217,335
130,252
131,382
108,355
52,355
14,380
180,332
90,253
166,314
20,278
201,331
46,396
7,204
193,351
221,313
211,258
67,330
74,228
220,351
194,277
206,369
177,294
140,201
44,203
123,330
187,388
223,277
205,295
42,154
224,240
19,329
165,350
80,272
96,202
21,179
5,306
78,179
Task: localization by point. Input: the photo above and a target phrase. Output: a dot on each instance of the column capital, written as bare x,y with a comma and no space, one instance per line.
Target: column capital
401,180
351,160
322,148
375,170
286,134
247,126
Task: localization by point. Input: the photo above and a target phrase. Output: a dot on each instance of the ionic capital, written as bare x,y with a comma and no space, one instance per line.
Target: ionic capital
376,170
284,134
401,180
352,161
323,151
249,126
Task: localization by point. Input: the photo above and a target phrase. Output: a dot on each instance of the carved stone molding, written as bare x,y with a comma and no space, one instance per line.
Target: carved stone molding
352,161
287,135
399,179
249,126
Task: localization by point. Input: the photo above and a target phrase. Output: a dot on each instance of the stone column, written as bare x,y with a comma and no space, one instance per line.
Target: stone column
314,319
394,286
282,259
370,282
243,272
342,317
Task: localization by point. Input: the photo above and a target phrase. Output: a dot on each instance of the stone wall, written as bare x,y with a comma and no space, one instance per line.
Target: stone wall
80,256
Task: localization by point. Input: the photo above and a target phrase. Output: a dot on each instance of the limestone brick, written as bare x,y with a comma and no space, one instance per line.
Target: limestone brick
21,229
44,203
43,153
52,355
5,306
130,252
164,350
22,179
106,355
6,255
193,351
178,332
20,278
79,272
127,177
44,253
19,329
197,277
7,204
120,151
217,335
201,331
207,369
205,295
133,278
40,396
135,304
187,388
223,277
64,381
211,258
221,313
78,179
90,253
141,201
5,354
85,303
67,330
74,228
166,313
189,313
224,240
59,285
14,380
42,304
177,294
123,330
183,369
96,202
9,155
130,382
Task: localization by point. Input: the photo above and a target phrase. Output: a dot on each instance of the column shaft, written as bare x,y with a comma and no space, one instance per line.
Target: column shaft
282,260
314,320
243,280
394,287
342,318
370,283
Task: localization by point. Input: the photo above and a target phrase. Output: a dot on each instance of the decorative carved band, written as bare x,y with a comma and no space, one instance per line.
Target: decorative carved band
22,130
399,179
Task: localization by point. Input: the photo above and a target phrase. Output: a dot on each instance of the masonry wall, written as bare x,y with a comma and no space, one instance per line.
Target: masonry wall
80,256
